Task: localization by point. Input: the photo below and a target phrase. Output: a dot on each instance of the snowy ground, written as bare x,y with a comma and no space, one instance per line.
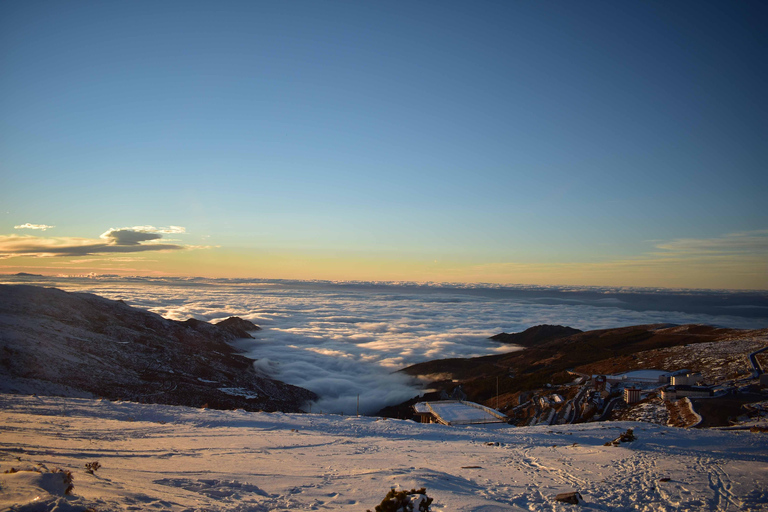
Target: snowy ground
174,458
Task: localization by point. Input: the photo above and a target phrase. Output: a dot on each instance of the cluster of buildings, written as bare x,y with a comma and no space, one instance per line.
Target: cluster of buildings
673,385
591,401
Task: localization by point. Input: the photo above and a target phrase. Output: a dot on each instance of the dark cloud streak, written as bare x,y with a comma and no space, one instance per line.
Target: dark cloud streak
123,240
129,237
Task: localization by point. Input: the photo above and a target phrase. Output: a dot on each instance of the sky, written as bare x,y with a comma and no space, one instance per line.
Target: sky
550,143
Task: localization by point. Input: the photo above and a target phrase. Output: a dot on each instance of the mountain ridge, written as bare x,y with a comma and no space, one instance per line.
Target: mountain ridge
80,344
535,335
503,380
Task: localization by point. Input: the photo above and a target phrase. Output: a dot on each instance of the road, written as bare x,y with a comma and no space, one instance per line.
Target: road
609,407
755,363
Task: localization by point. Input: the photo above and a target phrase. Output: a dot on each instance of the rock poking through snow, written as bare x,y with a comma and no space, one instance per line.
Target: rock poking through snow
572,498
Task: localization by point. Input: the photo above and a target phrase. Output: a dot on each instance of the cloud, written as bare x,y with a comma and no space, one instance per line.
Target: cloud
106,259
127,236
138,234
342,341
170,230
746,243
731,261
120,240
41,227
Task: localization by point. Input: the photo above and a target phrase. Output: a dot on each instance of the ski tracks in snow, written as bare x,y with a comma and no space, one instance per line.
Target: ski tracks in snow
721,485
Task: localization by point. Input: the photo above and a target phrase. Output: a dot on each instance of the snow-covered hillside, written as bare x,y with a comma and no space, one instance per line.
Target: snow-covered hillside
157,457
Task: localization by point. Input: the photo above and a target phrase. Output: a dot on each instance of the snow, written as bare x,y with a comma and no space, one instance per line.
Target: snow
245,393
640,375
689,405
157,457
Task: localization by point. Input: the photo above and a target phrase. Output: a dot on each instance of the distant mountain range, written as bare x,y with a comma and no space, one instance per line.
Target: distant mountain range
79,344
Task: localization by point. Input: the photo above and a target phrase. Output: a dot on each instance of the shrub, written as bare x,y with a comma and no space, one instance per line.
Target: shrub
66,478
404,501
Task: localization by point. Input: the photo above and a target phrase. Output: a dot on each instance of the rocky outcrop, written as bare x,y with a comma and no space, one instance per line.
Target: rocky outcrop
238,327
535,335
79,344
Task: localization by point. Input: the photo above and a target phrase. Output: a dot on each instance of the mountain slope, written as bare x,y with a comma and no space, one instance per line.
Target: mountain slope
549,360
535,335
79,344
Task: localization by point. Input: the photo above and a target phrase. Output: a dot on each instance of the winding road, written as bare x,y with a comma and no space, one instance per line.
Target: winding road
755,363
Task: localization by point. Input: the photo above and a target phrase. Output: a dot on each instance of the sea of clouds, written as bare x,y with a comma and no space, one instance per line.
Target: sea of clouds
344,341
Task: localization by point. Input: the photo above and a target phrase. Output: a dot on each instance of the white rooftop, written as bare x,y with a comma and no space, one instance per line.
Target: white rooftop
640,375
460,412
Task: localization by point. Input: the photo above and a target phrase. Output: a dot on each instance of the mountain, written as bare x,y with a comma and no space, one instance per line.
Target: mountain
79,344
548,360
553,371
535,335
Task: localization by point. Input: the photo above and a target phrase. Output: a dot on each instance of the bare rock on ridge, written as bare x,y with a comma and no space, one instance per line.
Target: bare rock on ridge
79,344
238,326
535,335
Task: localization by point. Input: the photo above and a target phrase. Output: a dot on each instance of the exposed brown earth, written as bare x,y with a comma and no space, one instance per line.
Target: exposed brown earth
660,347
681,414
549,368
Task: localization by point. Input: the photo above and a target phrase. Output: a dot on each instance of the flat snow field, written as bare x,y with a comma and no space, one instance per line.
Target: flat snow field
175,458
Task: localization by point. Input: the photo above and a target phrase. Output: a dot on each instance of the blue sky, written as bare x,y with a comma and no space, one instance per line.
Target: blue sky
462,134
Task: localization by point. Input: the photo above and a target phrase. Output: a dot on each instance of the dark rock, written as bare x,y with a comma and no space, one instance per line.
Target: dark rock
573,498
238,327
626,437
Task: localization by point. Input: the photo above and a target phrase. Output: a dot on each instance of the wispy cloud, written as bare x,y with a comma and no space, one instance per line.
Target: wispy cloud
41,227
152,229
746,243
734,260
114,240
106,259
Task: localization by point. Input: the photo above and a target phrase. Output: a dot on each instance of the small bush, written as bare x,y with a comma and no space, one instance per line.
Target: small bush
67,479
91,467
404,501
626,437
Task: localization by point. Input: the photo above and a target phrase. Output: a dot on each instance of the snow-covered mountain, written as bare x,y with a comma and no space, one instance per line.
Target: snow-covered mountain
78,344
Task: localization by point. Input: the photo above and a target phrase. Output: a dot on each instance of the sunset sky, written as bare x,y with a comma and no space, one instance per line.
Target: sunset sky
556,142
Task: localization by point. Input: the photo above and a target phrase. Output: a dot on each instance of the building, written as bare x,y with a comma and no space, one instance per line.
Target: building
688,379
640,377
456,412
632,395
599,382
668,377
675,392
